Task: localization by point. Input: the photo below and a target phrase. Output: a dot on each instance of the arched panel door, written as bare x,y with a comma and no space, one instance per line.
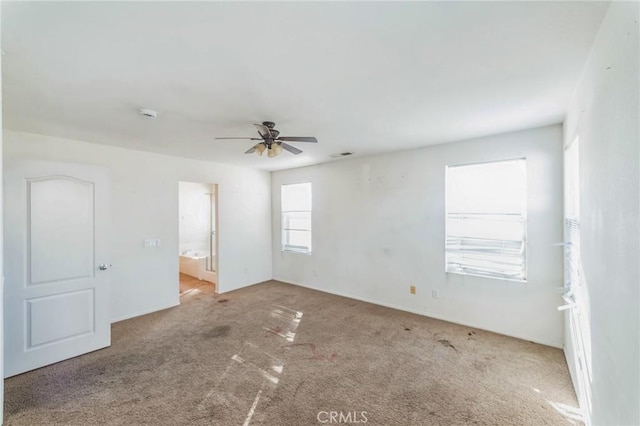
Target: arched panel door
56,303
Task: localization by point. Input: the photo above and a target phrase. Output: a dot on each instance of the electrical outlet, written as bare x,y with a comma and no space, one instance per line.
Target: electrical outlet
434,294
412,289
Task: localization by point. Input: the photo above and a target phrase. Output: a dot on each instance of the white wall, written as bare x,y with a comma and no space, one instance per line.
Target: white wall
145,205
378,227
604,113
195,216
1,252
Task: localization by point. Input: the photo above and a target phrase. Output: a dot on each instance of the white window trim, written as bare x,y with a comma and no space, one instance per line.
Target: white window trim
285,248
524,219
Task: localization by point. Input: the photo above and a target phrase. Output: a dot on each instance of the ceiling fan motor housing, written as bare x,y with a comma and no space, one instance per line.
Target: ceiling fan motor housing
273,133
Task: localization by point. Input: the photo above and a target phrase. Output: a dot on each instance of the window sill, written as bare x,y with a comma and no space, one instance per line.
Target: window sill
308,253
466,274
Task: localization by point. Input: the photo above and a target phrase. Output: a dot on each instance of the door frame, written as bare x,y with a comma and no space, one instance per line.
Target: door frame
216,201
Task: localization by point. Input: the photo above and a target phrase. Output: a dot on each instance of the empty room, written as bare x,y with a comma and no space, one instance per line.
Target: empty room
310,213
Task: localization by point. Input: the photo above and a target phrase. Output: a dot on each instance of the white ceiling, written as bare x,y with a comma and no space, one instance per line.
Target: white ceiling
362,77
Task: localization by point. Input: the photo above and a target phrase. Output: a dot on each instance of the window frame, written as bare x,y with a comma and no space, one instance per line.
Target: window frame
284,231
525,238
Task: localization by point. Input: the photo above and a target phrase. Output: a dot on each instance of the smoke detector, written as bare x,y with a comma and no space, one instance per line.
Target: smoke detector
149,113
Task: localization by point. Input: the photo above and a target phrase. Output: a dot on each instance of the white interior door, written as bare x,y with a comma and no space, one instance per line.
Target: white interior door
56,303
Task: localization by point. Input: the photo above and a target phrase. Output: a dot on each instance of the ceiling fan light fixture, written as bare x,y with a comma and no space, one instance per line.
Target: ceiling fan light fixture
271,141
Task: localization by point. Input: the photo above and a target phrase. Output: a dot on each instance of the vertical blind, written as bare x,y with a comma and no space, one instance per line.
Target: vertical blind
486,219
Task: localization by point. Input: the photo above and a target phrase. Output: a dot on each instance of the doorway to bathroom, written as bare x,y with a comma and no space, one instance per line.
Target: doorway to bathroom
198,235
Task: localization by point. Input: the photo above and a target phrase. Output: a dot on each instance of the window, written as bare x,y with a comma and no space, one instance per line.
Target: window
572,217
296,218
486,219
576,295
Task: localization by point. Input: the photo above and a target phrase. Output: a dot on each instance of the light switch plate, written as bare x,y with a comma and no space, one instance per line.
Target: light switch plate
152,242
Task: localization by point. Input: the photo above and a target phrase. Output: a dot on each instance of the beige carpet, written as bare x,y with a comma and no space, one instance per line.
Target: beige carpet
276,354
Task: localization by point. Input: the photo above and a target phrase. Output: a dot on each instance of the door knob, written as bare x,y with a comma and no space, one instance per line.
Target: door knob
104,267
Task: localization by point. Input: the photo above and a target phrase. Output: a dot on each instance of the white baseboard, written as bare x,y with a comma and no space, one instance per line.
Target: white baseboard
424,313
145,312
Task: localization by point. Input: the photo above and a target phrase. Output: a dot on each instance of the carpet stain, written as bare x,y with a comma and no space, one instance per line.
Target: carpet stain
484,364
480,366
219,331
315,355
276,331
223,300
295,393
445,342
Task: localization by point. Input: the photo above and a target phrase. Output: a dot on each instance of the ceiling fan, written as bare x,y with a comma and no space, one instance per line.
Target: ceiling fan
272,142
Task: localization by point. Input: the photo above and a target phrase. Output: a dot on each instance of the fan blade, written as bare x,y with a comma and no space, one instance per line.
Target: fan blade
251,150
248,139
298,139
291,149
263,130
